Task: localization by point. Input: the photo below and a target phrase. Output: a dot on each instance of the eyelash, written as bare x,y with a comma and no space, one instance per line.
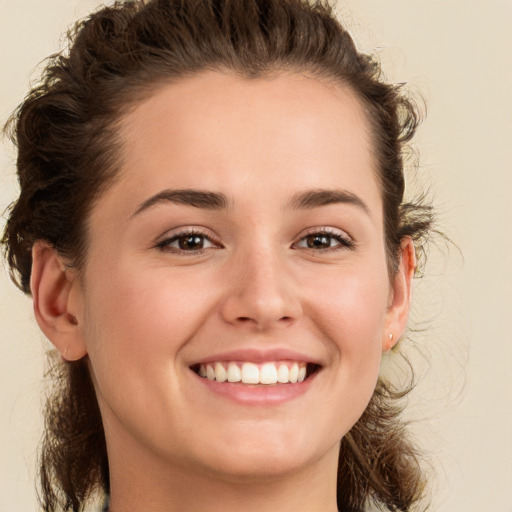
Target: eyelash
344,241
164,245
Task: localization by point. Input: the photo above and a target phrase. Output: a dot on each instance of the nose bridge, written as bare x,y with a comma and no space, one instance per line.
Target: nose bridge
262,289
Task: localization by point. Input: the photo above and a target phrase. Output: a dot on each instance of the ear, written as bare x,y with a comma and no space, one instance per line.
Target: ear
57,299
400,296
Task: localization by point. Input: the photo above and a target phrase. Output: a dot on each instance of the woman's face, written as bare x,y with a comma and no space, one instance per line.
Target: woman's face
244,234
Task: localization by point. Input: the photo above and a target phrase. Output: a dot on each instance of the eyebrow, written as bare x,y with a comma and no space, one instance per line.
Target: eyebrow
188,197
218,201
321,197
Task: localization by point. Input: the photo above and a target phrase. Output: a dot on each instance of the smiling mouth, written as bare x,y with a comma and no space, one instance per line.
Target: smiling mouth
270,373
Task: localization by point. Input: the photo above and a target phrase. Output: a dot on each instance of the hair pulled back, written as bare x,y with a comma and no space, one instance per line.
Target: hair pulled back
68,153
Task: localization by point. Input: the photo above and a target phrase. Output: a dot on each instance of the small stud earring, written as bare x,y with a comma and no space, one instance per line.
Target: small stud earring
390,337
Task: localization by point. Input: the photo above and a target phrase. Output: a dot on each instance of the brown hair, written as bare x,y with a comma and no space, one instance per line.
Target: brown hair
67,155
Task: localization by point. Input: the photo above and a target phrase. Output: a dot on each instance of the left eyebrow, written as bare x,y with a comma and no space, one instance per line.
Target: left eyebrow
321,197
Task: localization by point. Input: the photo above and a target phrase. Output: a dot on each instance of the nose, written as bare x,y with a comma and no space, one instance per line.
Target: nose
261,293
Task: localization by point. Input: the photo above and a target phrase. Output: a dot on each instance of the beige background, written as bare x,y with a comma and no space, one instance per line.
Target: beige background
458,54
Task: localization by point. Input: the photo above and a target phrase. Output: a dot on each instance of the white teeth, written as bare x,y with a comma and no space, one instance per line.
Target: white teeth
268,374
293,376
282,374
234,373
220,373
251,373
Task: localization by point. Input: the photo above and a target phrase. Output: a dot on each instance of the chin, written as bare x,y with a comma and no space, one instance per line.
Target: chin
257,468
265,456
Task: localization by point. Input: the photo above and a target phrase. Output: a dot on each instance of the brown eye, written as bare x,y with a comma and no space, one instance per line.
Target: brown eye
325,240
191,242
318,241
186,242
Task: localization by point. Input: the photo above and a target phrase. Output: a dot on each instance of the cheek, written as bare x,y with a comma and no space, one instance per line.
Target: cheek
143,308
137,323
350,308
351,304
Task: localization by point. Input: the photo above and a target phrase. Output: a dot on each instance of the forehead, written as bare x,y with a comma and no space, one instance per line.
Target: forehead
285,133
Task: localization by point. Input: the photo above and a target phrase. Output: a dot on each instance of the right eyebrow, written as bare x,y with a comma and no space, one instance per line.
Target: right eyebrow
188,197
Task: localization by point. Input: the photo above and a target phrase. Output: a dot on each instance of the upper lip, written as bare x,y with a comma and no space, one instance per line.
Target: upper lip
255,355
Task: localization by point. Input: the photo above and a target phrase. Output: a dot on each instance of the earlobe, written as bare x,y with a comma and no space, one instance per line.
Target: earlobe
389,342
398,311
52,286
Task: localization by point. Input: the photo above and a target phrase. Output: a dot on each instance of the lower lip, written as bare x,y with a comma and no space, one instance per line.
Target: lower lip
263,394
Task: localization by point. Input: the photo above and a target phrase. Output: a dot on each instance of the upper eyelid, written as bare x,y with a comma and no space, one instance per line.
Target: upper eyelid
172,235
185,230
329,230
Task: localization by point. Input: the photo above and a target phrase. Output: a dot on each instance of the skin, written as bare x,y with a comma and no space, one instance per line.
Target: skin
143,312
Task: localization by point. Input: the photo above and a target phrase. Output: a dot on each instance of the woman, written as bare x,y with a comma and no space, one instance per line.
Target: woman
213,229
